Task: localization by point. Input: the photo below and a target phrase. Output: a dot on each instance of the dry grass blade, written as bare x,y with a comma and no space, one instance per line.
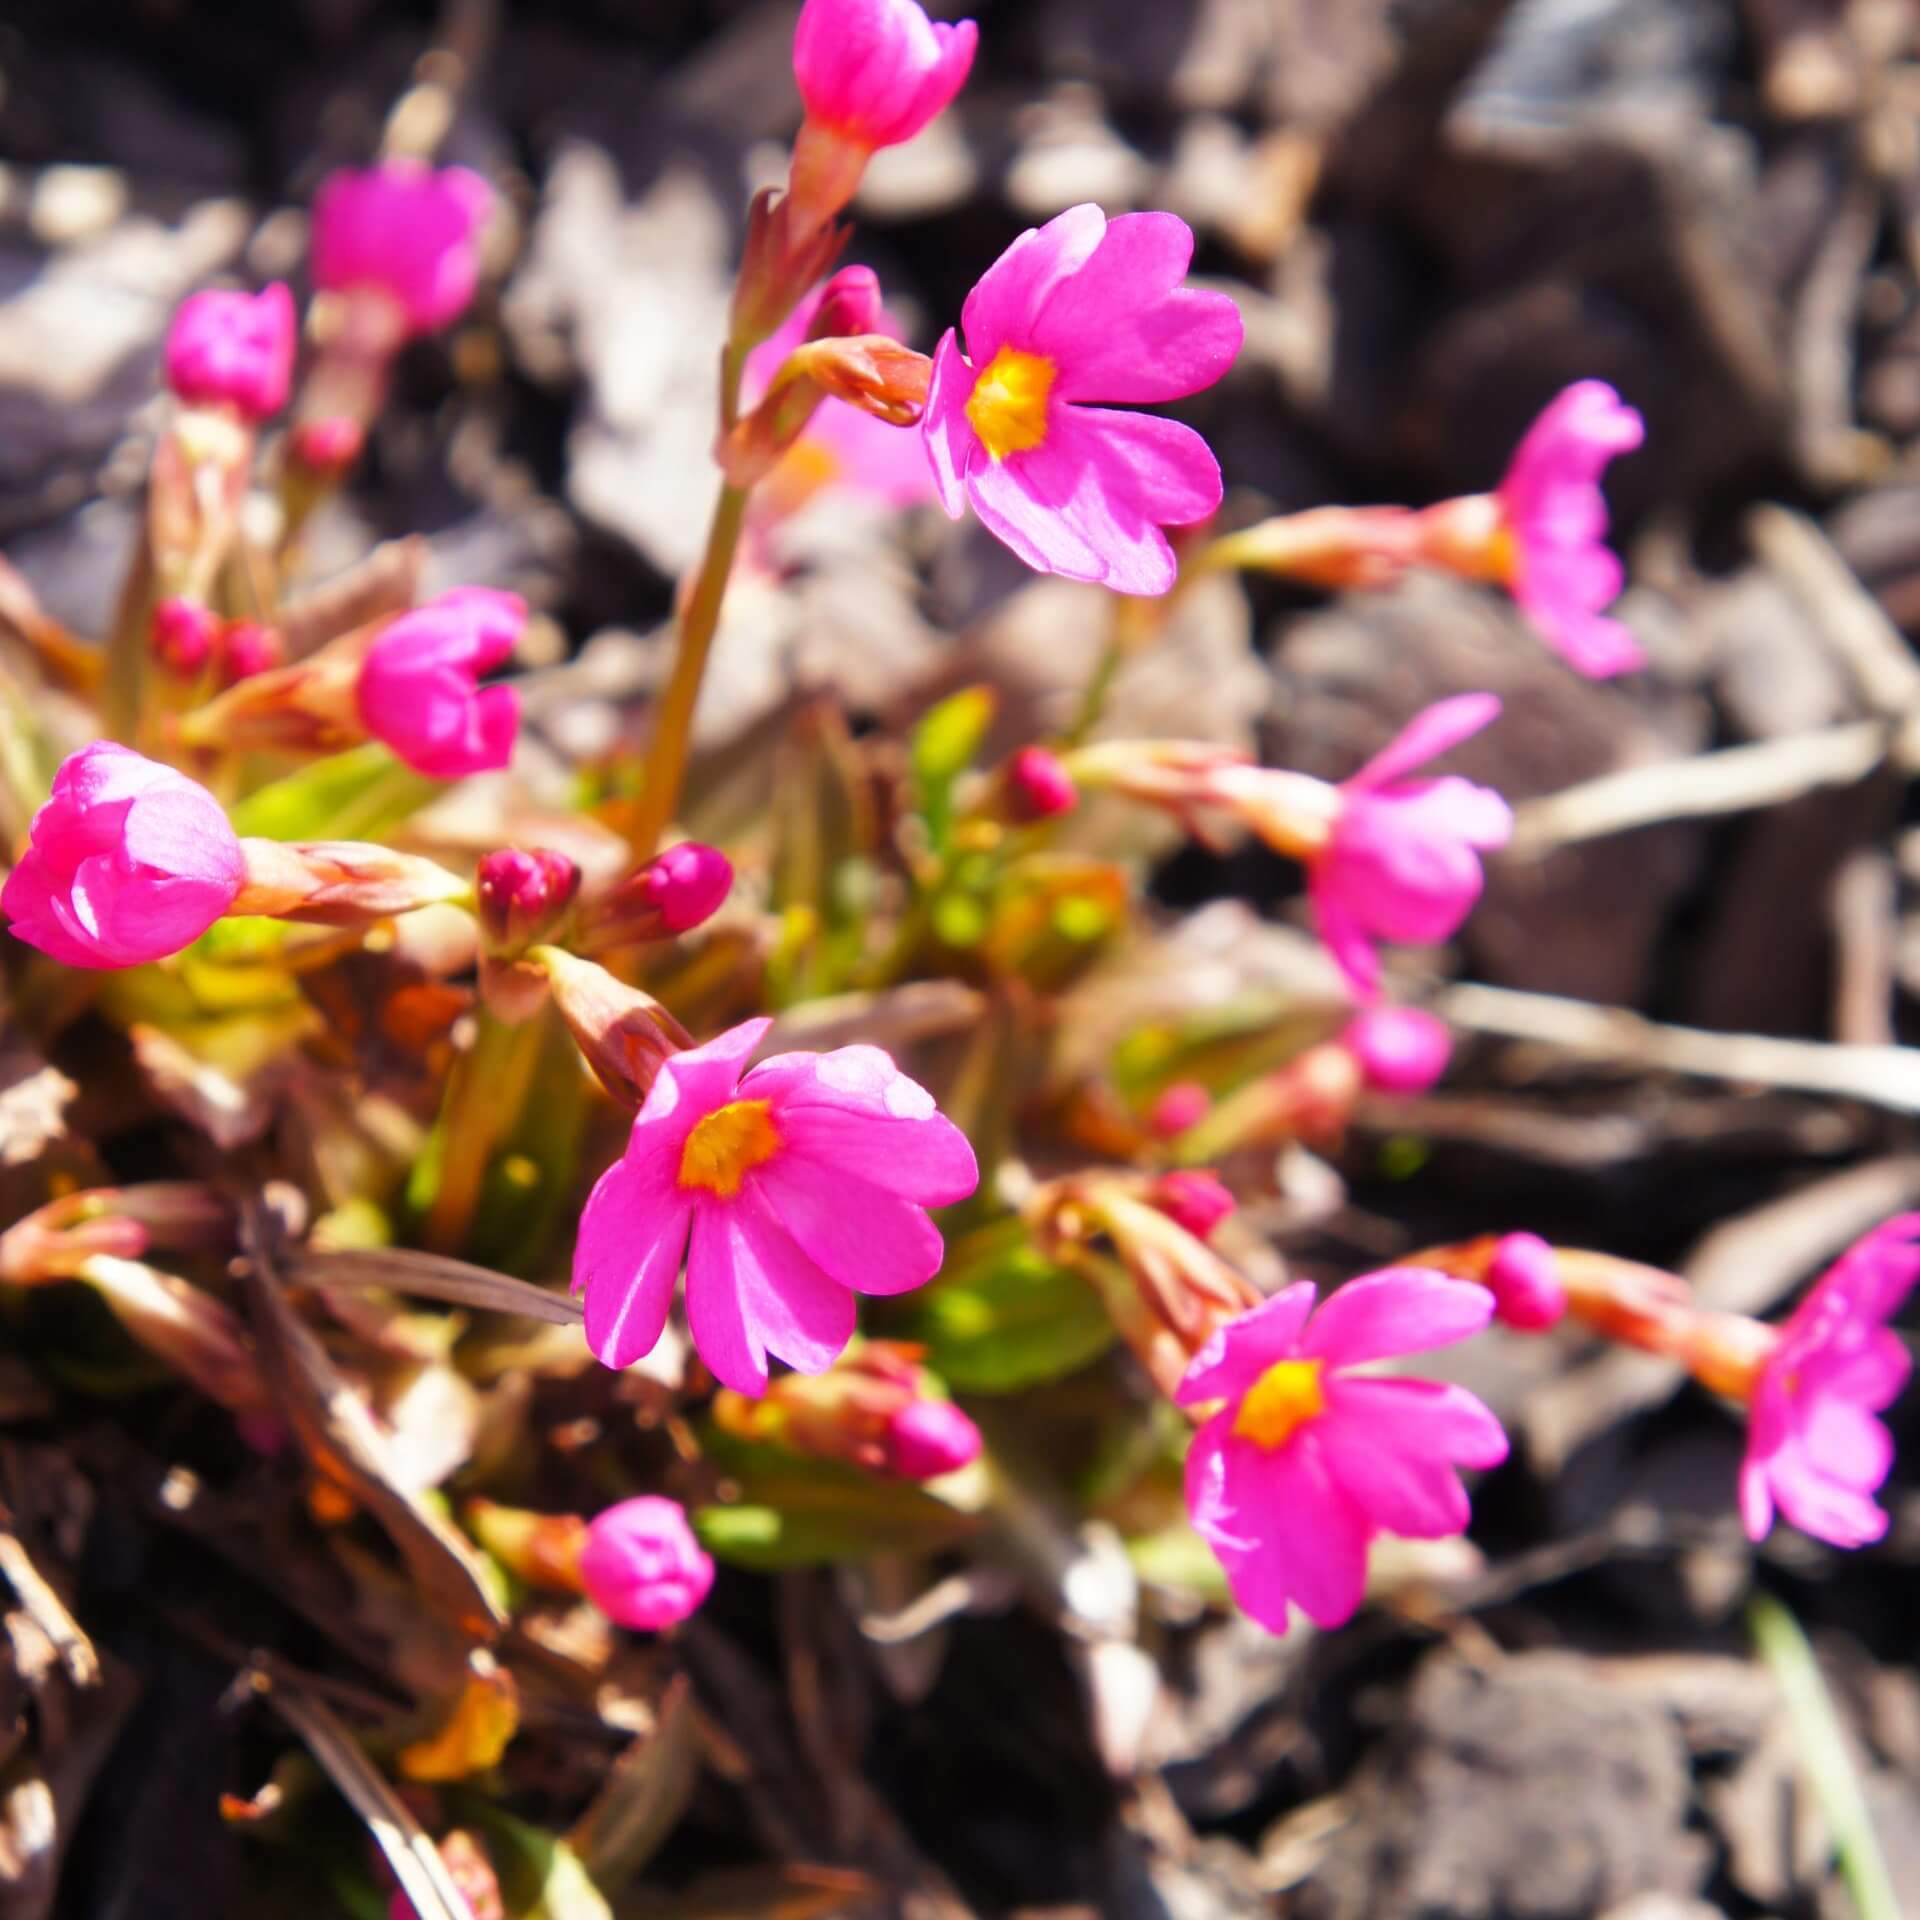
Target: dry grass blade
386,581
645,1794
344,1440
48,1613
434,1277
1884,1076
414,1858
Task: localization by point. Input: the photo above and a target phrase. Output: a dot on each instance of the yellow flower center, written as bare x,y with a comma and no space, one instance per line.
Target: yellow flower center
1284,1398
727,1145
1008,406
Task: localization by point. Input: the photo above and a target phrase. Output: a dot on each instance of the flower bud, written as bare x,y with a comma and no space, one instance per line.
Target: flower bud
247,648
849,303
1526,1290
419,687
928,1438
523,896
407,231
327,447
642,1566
234,350
672,894
339,883
128,861
622,1033
1400,1049
1195,1198
182,636
1182,1105
1039,786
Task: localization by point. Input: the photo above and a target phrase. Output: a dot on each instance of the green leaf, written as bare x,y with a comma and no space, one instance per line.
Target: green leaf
541,1877
944,746
357,795
1003,1317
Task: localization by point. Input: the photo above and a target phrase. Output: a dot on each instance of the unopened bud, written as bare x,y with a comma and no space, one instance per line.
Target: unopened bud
1182,1105
642,1566
182,636
1400,1049
622,1033
871,371
1526,1290
782,257
339,883
247,648
523,896
1039,787
928,1438
850,303
1195,1198
673,893
327,447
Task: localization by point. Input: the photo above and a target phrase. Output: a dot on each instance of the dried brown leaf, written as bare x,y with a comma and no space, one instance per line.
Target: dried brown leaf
432,1277
645,1794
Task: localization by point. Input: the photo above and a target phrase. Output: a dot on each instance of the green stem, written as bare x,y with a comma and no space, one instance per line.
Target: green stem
485,1094
1093,702
1824,1754
671,739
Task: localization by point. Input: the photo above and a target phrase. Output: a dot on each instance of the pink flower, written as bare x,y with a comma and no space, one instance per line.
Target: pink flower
1196,1199
1082,309
1305,1463
127,862
1522,1277
787,1192
927,1438
419,686
1814,1448
407,230
875,72
642,1566
1400,1049
1560,570
234,350
1401,859
842,448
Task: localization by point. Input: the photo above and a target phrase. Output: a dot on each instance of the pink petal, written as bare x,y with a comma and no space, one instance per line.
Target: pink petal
751,1292
1846,1443
856,1233
1841,1515
1429,1416
1345,937
1398,1310
1427,736
1246,1346
1216,1498
1008,297
951,442
633,1237
1312,1547
1756,1498
1414,1495
854,1111
691,1084
1123,327
1089,502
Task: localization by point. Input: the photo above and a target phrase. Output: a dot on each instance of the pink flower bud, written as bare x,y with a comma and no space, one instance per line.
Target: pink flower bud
1040,785
328,446
247,648
687,884
927,1438
1184,1104
522,895
419,688
182,635
233,350
849,304
1527,1293
127,862
1194,1199
876,71
642,1566
1400,1049
405,230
